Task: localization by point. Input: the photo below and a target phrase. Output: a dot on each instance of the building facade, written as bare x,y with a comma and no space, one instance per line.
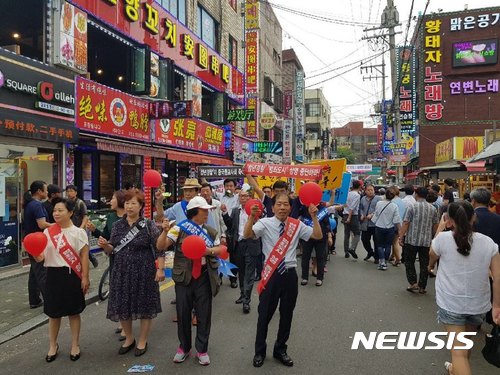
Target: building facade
360,140
318,114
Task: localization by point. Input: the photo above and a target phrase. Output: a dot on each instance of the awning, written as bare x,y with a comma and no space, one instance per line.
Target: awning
476,166
413,175
491,151
129,148
197,158
449,165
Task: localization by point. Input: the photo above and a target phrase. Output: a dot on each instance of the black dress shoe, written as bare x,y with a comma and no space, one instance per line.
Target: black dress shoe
138,352
258,360
239,300
52,358
284,358
126,349
234,284
353,253
74,357
246,308
36,305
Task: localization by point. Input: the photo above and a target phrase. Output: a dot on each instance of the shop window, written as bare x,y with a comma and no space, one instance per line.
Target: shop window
166,79
313,109
114,61
22,30
207,28
131,170
179,86
86,177
176,7
268,91
107,177
278,100
233,51
207,104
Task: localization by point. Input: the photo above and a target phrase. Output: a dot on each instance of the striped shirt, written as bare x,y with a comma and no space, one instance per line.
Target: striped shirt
422,216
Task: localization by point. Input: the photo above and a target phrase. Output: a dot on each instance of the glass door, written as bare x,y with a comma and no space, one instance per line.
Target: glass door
9,213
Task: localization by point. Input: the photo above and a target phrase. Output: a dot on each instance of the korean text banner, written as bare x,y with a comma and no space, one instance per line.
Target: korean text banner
100,109
292,171
191,134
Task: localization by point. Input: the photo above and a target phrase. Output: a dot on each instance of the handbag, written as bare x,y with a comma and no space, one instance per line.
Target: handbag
491,350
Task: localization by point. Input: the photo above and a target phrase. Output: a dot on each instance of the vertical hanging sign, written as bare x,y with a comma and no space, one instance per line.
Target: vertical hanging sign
252,24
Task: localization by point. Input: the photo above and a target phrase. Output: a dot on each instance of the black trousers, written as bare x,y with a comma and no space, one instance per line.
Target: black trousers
366,237
198,292
423,257
282,289
36,281
320,247
247,266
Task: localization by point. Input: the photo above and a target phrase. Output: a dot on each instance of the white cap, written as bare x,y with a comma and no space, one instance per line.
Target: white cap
198,202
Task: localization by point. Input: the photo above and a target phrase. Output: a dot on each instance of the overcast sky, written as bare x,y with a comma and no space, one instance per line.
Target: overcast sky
330,49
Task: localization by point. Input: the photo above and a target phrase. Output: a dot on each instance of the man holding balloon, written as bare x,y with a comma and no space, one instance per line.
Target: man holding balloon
195,274
280,235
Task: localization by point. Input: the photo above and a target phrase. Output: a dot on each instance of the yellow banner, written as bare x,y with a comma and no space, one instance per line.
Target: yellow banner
332,175
444,151
467,147
264,181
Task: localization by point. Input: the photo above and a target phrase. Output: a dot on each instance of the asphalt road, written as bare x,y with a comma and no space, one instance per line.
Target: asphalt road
354,297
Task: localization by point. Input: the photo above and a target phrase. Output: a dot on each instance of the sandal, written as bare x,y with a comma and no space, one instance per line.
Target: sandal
319,282
412,289
304,282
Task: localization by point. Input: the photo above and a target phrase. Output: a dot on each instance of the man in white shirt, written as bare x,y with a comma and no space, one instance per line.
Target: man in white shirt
351,220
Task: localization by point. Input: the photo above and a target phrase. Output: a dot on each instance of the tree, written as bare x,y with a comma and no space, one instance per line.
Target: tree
346,153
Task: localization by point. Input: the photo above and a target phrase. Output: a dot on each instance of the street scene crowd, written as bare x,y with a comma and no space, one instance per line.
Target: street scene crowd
265,231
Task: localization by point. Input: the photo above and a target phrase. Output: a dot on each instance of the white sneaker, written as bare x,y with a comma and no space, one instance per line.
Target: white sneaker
203,359
180,356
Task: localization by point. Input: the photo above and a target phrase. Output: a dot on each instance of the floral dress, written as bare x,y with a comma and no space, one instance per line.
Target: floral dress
134,293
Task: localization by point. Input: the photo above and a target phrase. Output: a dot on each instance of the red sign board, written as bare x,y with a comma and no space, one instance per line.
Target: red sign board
103,110
293,171
191,134
148,23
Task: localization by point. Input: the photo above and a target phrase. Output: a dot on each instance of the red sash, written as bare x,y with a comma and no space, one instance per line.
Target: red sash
278,253
62,245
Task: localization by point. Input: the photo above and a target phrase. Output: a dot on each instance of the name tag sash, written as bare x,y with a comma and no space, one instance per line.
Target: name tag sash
191,228
130,235
62,245
278,253
322,213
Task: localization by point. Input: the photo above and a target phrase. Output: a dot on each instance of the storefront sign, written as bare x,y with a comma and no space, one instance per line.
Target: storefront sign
433,77
241,115
167,109
444,151
293,171
467,147
26,125
467,87
288,104
191,134
358,168
299,105
398,160
251,14
267,120
101,109
470,22
270,147
70,39
220,172
473,53
149,24
242,150
406,64
287,141
252,80
388,130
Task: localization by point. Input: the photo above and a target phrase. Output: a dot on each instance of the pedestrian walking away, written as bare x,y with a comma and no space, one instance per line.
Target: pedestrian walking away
279,284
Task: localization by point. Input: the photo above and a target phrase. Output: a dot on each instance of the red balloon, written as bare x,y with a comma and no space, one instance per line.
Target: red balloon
309,193
35,243
223,252
152,178
252,202
193,247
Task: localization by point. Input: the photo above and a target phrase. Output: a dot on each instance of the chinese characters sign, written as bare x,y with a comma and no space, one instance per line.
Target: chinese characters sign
71,39
270,147
101,109
251,14
458,148
241,115
191,134
252,80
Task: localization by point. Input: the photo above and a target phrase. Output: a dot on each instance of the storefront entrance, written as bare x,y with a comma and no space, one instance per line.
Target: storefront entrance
9,212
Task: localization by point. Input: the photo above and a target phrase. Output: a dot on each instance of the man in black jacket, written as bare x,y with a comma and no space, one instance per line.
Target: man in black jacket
247,252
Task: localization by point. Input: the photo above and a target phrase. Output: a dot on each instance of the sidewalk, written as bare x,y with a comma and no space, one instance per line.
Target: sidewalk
16,317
